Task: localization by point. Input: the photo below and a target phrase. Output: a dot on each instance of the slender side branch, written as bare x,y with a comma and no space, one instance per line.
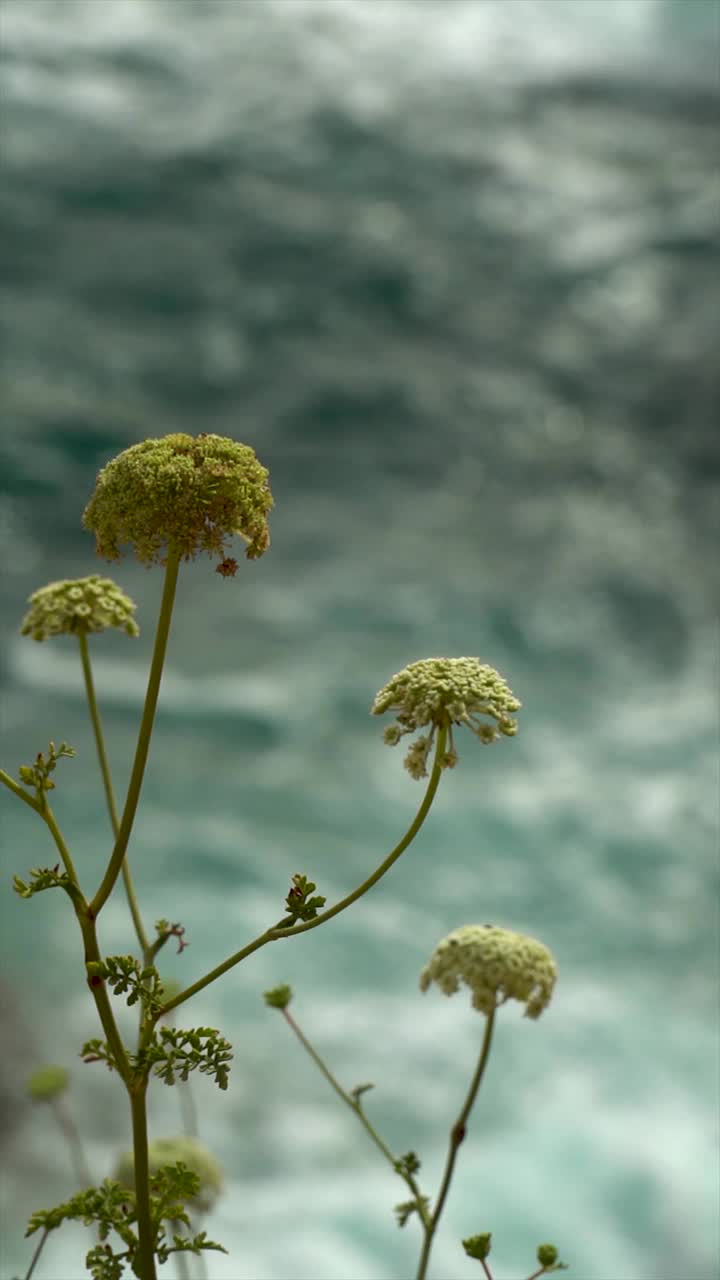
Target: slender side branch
19,791
277,931
146,727
48,817
109,792
356,1106
457,1133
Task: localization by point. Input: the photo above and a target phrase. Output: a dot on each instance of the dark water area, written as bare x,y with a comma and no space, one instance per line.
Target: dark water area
452,271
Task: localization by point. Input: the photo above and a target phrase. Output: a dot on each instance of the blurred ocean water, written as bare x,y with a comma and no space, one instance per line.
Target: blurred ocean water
451,269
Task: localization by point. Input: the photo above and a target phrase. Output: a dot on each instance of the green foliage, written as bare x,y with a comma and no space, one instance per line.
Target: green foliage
126,976
299,904
174,1052
111,1208
408,1165
98,1051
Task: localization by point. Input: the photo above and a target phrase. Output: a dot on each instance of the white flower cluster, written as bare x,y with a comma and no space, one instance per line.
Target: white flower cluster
78,605
496,964
445,691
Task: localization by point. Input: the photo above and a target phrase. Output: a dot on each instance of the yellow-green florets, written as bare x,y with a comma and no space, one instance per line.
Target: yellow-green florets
192,1153
77,605
185,493
445,691
496,964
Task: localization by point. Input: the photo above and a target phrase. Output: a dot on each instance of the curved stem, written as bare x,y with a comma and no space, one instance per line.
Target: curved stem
457,1133
356,1107
392,857
145,1261
146,727
109,792
291,930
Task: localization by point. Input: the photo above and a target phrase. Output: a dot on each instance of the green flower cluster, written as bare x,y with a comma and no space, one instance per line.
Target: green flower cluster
445,691
76,605
496,964
168,1151
188,493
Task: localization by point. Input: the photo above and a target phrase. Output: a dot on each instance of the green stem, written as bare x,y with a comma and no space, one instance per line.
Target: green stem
145,1261
19,791
99,993
48,817
356,1107
38,1250
146,727
457,1133
285,927
109,792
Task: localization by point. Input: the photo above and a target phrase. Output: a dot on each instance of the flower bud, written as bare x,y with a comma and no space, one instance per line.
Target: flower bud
47,1083
496,964
185,493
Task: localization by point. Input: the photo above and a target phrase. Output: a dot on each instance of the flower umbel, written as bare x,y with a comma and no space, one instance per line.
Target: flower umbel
191,493
496,964
76,605
190,1152
449,691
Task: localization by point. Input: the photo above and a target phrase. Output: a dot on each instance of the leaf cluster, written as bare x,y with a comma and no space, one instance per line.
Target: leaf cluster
125,976
112,1208
407,1208
300,905
174,1052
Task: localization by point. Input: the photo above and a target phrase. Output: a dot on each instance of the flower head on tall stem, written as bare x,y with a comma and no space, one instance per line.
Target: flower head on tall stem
77,606
445,691
496,964
188,493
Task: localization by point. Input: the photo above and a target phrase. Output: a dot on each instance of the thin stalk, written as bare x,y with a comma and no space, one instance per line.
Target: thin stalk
109,792
71,1134
48,817
146,1236
355,1106
278,931
457,1133
99,993
146,726
38,1250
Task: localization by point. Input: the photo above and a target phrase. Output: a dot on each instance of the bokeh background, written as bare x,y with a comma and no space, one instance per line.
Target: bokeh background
451,269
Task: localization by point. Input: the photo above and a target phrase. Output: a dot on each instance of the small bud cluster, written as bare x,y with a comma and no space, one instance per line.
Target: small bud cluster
77,605
47,1083
188,1151
496,964
188,493
37,775
445,691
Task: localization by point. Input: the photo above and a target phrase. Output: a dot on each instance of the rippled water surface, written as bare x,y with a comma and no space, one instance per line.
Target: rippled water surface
451,269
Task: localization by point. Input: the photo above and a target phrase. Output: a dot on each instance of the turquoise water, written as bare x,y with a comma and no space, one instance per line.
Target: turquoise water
449,269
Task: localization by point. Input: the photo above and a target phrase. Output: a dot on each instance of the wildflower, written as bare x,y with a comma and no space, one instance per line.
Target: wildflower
443,692
78,605
194,1154
496,964
188,493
